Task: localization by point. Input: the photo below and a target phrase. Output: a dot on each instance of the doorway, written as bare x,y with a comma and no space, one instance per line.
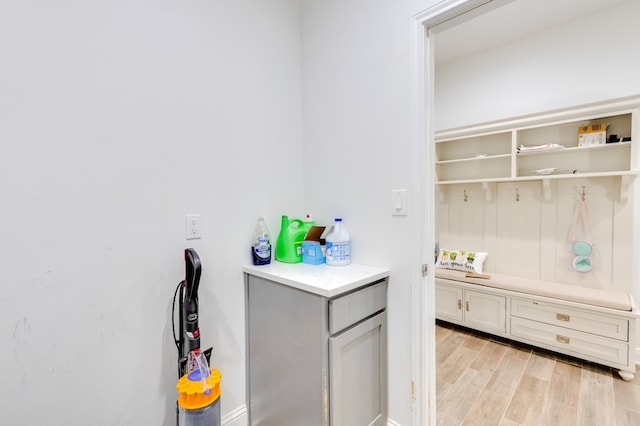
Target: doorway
428,25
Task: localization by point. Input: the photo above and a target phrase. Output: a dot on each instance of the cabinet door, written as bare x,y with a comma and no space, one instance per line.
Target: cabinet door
358,374
448,302
486,312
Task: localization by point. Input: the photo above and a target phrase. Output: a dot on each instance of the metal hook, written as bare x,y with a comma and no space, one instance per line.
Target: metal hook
517,195
584,195
465,196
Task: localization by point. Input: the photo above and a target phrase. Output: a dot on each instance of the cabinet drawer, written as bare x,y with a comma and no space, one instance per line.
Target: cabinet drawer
575,319
575,342
351,308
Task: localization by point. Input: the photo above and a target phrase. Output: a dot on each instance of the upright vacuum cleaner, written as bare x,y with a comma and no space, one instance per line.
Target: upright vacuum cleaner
198,385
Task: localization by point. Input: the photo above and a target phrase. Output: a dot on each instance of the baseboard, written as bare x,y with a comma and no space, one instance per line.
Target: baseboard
237,417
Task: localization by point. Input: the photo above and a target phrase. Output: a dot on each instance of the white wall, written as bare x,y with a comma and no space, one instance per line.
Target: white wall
356,85
588,60
117,119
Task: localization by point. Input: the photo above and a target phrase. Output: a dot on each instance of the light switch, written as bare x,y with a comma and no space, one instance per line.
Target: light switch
399,200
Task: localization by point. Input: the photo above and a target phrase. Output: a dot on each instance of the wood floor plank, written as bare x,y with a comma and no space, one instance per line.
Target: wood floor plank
488,409
443,419
482,380
596,406
453,367
448,345
564,387
528,401
540,365
490,356
627,394
558,413
463,394
442,389
507,422
441,333
476,343
507,375
626,417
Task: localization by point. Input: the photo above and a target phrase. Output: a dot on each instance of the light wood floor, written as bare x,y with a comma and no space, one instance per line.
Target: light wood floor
484,380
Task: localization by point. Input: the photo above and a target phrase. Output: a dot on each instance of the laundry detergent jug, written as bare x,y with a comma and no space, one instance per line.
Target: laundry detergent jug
289,242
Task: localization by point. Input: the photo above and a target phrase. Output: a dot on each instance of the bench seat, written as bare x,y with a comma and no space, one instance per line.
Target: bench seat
613,299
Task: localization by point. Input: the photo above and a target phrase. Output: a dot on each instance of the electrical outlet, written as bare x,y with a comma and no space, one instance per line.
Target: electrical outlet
192,226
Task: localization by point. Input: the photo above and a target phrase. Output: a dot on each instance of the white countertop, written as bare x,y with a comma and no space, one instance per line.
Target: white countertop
323,280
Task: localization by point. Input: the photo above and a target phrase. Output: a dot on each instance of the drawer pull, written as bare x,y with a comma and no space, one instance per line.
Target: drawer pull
562,317
467,304
562,339
460,304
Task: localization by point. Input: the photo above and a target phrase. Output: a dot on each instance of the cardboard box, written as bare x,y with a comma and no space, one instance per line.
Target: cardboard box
312,247
592,135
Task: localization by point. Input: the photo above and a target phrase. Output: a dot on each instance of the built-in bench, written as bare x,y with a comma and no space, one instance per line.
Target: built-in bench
613,299
593,324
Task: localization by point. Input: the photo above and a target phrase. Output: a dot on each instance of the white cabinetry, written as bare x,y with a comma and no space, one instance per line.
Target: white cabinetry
602,335
479,310
490,152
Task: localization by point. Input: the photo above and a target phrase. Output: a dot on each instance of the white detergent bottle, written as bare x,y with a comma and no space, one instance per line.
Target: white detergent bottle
338,251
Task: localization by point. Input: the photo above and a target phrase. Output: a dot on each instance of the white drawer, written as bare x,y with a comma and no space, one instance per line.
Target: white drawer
353,307
575,319
575,342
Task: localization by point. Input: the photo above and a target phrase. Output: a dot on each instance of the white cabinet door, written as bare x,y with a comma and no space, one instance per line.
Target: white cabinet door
476,309
448,303
358,374
486,312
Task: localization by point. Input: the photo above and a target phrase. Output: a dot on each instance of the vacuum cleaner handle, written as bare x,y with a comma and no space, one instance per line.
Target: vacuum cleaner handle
193,271
190,304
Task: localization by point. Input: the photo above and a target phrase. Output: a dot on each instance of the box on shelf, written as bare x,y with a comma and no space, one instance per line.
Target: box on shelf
312,247
592,135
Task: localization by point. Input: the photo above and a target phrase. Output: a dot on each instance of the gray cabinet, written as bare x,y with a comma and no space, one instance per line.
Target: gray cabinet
316,360
358,379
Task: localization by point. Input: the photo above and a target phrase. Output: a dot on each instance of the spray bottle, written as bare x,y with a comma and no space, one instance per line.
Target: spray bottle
261,244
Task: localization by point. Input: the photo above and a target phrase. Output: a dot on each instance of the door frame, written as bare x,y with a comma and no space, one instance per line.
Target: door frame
423,387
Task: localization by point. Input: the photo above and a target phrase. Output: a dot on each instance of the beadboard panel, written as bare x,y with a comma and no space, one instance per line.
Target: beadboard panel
525,227
464,214
600,200
518,224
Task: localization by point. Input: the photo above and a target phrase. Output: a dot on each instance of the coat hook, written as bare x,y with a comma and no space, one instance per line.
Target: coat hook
517,195
465,196
584,195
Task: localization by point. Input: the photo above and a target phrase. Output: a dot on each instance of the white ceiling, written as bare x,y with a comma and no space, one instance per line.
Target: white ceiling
508,20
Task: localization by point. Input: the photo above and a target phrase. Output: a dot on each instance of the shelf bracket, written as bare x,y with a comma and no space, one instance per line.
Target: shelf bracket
546,187
487,191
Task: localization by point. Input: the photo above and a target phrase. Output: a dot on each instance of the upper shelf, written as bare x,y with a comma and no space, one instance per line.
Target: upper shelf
490,152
